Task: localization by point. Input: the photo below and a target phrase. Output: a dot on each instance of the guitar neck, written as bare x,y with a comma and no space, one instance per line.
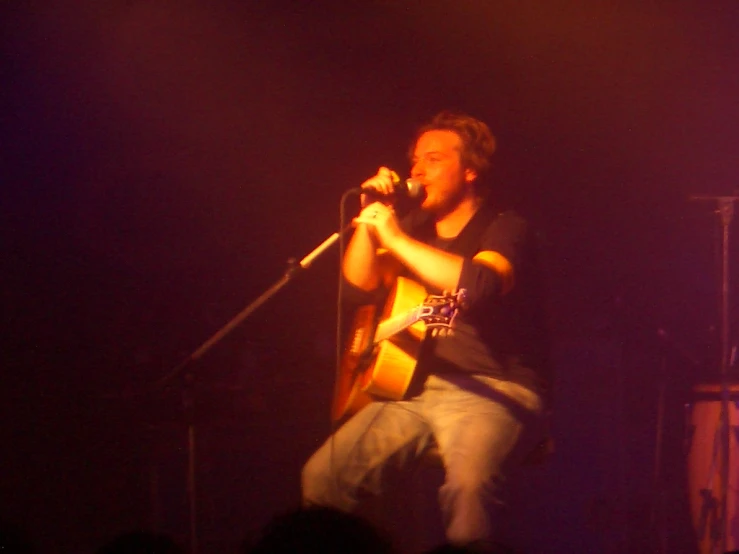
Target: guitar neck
393,325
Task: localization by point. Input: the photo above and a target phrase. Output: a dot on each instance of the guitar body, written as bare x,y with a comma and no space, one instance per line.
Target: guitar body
381,368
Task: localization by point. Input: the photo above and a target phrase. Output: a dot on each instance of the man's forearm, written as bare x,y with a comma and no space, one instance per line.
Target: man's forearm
360,265
434,267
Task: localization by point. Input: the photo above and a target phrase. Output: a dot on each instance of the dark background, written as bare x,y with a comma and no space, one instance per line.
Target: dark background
162,160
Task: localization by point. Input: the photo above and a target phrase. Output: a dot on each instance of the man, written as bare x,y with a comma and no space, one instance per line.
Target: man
484,387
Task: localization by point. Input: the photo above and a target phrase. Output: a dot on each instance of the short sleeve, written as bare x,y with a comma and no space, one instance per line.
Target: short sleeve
505,235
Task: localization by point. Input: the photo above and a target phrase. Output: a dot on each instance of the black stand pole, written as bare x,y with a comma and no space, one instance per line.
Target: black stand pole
188,408
188,377
725,211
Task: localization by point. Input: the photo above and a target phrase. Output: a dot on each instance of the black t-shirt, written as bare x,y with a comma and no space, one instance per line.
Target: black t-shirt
500,335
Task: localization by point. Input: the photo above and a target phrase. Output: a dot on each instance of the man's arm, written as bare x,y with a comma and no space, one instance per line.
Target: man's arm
444,270
488,272
432,266
360,264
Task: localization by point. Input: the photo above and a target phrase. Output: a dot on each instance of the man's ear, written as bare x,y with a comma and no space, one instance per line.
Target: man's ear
470,175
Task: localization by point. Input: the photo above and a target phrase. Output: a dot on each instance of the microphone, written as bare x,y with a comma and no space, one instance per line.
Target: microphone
410,188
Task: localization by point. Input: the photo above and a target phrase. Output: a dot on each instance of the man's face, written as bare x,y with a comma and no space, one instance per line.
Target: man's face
437,164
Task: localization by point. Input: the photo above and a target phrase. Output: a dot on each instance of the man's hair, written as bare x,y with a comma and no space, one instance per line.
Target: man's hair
478,143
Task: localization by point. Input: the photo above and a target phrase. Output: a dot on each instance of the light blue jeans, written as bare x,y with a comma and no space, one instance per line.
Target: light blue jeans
480,434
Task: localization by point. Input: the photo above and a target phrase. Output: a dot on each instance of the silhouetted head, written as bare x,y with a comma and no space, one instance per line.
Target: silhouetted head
141,542
317,529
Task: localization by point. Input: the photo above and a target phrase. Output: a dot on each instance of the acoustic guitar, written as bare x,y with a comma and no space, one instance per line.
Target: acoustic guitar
380,357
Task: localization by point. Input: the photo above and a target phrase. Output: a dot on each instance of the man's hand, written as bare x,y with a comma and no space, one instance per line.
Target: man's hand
383,183
382,223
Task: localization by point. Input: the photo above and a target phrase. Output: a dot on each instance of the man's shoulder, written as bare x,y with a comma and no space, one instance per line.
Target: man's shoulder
508,220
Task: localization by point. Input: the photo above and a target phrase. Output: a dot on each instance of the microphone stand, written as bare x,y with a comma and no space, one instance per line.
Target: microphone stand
182,369
725,210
